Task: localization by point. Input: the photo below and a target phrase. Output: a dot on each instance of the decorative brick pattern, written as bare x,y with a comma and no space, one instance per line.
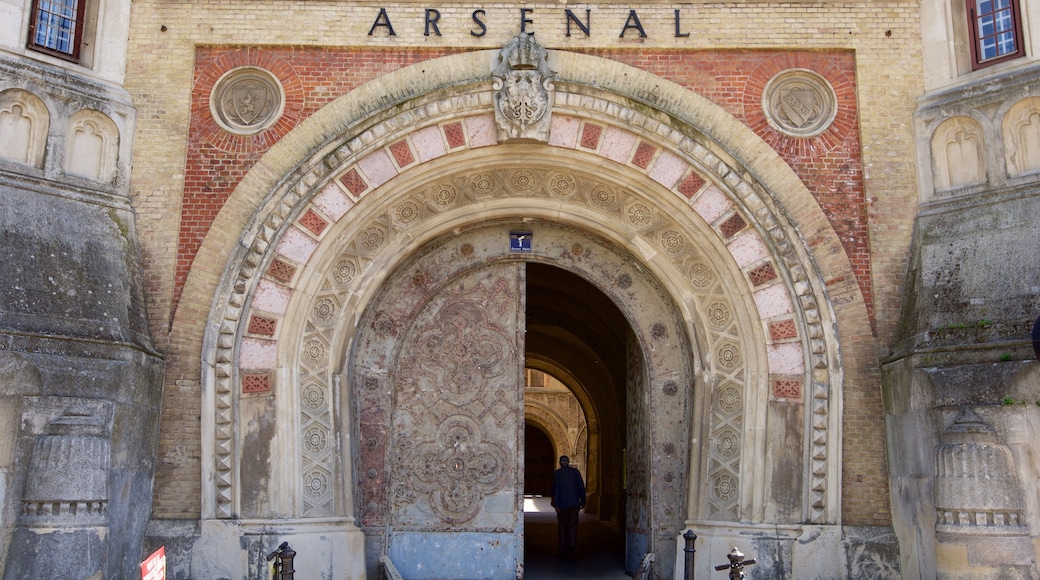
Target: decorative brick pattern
590,135
732,225
402,153
787,389
256,383
354,183
644,154
454,134
835,179
691,185
281,270
261,325
761,274
313,222
783,330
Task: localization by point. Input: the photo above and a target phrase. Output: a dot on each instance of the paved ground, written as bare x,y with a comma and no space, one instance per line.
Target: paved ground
601,550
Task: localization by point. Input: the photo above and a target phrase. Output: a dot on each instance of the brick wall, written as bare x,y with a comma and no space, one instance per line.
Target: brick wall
862,176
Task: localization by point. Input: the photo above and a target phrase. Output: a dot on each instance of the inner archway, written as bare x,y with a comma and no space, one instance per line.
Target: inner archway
538,461
579,336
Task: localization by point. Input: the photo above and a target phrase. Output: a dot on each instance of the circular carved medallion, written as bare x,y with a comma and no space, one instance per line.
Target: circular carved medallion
247,100
799,103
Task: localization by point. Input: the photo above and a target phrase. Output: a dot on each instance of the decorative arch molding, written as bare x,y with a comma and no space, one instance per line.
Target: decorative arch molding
552,423
92,146
958,153
593,420
1021,132
24,122
718,190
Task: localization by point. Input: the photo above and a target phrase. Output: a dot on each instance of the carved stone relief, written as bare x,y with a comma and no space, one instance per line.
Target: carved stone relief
24,122
247,100
92,146
457,404
1021,130
799,103
69,467
453,193
976,492
958,153
522,85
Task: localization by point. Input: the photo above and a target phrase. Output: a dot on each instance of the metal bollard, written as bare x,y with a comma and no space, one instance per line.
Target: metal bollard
690,538
736,564
283,567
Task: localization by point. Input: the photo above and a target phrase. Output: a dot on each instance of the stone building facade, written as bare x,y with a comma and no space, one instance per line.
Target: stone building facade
282,272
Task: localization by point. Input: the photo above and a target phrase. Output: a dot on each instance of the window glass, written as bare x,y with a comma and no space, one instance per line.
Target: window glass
996,30
995,26
57,26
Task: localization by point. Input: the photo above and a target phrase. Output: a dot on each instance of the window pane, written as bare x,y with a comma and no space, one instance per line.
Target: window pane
987,48
984,7
1003,20
986,26
56,25
1006,43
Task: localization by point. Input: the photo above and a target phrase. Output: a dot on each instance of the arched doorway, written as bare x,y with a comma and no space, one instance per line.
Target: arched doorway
691,233
539,456
437,375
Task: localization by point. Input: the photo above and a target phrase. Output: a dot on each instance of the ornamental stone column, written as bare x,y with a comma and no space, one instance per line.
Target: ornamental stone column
980,527
64,512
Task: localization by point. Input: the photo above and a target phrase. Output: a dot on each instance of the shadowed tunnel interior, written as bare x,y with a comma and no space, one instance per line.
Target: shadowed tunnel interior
577,334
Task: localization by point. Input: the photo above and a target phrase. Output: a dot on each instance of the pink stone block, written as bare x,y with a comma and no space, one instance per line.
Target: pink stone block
667,169
271,297
617,145
712,204
773,301
786,358
429,143
377,167
564,131
481,131
748,248
333,202
258,354
297,246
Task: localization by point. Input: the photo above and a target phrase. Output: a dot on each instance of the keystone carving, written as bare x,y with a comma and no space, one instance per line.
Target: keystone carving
522,83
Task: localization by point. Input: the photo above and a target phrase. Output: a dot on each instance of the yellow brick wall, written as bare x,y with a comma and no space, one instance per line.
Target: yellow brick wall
885,37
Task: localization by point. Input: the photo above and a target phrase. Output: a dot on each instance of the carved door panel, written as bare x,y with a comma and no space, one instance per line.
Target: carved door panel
455,489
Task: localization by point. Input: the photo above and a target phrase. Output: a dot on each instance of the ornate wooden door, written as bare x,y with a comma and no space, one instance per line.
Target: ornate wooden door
455,504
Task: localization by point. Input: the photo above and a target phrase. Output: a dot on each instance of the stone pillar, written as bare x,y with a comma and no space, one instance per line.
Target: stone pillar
980,527
64,516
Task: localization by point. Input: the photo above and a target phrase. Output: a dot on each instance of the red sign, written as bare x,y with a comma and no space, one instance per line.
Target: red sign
154,566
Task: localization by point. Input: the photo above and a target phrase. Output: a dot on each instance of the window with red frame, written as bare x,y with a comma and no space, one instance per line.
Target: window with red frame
996,30
57,27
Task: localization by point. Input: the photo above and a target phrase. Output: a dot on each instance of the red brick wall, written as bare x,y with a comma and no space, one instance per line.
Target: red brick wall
830,164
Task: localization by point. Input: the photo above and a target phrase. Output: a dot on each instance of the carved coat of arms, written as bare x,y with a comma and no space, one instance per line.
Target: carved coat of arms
522,82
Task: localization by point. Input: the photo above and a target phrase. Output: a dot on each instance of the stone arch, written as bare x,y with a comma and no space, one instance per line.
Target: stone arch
24,122
92,146
958,153
592,421
549,421
694,180
1021,132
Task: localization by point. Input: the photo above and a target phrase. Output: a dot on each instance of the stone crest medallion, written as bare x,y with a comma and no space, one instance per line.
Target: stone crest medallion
247,100
799,103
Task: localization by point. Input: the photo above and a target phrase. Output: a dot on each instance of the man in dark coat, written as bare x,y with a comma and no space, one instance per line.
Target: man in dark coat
568,497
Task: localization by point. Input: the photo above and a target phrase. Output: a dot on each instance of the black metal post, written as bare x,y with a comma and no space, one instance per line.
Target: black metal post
690,538
283,566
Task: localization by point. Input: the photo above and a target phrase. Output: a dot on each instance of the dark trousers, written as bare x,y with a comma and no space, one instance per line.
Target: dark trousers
568,530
